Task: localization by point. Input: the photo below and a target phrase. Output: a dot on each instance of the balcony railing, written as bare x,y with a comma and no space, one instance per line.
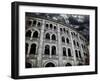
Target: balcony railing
50,56
50,41
32,39
31,56
68,58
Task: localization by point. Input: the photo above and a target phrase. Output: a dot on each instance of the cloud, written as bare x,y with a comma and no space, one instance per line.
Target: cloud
77,21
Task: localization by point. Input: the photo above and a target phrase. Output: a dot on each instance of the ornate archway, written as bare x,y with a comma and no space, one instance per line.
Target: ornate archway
50,64
68,64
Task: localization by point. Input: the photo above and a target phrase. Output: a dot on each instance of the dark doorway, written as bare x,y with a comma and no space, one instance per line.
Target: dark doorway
68,64
50,65
28,65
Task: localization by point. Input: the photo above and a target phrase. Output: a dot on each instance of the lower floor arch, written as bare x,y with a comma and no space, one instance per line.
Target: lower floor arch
68,64
80,64
50,64
28,65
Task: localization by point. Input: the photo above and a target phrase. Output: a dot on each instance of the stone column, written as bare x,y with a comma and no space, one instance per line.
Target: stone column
29,47
82,54
50,56
73,50
39,57
60,55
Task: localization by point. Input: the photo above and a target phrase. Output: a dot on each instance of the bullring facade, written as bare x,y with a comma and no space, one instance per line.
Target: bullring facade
52,44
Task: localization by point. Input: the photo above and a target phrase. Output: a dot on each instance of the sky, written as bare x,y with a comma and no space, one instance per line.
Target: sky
77,21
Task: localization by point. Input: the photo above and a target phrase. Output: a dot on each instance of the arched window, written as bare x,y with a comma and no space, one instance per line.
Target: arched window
53,50
77,44
69,52
26,48
35,35
68,64
28,23
74,33
47,49
63,39
53,37
76,53
67,40
47,36
33,49
50,65
67,31
28,33
60,29
64,29
34,22
28,65
64,51
47,25
51,26
74,42
80,54
55,27
39,24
